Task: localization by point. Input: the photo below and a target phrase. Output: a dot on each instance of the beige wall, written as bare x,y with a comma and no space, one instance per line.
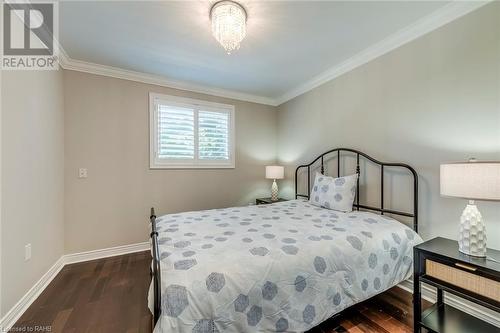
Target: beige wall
32,178
433,100
107,131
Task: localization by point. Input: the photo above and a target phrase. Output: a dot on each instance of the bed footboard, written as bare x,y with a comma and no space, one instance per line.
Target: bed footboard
155,270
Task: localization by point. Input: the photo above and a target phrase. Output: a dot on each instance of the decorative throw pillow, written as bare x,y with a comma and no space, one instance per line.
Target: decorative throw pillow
334,193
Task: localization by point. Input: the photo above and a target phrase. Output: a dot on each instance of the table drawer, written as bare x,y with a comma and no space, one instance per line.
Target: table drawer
469,281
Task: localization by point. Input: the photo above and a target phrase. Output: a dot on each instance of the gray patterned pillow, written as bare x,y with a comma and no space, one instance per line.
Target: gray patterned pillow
334,193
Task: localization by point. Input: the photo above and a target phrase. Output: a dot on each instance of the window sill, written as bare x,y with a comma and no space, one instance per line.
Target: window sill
184,167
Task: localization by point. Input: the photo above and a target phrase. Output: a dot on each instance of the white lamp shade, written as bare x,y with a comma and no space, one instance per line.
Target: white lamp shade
275,172
473,180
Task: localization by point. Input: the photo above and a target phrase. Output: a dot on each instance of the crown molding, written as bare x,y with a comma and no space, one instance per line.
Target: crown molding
433,21
88,67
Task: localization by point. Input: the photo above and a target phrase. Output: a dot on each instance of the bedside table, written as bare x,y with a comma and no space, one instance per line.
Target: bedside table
264,201
438,263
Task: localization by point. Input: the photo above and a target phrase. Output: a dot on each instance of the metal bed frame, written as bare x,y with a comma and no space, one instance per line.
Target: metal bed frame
155,268
357,205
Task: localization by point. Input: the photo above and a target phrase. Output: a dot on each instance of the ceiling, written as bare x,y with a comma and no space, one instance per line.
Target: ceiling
288,42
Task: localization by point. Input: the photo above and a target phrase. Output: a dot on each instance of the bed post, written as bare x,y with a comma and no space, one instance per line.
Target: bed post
415,200
156,272
308,182
358,171
382,189
296,176
338,163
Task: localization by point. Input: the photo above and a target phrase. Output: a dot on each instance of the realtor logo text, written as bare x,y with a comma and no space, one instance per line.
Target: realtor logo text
29,36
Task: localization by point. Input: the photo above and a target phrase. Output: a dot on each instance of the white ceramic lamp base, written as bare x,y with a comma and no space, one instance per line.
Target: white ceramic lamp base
472,237
274,191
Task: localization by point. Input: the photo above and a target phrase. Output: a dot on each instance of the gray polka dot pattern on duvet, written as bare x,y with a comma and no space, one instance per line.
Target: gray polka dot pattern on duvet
205,326
300,283
289,240
364,284
367,234
274,267
188,253
241,303
337,299
254,315
269,290
185,264
182,244
372,260
409,234
396,238
376,283
394,253
355,242
174,300
215,282
308,314
164,255
319,264
259,251
281,325
290,249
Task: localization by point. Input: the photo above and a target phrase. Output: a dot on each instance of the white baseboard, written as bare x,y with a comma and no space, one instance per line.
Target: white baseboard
429,294
105,253
23,304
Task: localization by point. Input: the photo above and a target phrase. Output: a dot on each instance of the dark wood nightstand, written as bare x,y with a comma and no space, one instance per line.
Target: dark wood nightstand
264,201
438,263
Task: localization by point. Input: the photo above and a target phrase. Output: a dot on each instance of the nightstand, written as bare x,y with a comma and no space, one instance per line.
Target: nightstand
264,201
438,263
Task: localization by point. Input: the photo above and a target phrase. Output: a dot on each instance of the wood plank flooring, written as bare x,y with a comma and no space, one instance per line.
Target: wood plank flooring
110,295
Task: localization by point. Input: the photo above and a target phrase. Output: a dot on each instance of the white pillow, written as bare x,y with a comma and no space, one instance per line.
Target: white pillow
334,193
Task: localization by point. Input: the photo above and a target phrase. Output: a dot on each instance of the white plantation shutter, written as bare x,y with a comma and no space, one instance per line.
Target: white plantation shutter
175,132
187,133
213,135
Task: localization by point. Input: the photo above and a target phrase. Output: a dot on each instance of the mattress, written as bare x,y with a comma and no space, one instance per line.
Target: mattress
283,267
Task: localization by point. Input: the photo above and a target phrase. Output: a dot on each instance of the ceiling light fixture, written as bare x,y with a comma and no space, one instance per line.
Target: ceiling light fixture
228,24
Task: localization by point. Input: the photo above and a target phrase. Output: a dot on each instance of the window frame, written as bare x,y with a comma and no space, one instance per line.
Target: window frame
196,104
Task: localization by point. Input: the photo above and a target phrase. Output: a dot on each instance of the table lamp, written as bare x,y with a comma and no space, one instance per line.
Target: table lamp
473,181
274,172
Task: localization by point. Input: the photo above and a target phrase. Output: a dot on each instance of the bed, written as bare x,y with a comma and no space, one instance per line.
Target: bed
283,267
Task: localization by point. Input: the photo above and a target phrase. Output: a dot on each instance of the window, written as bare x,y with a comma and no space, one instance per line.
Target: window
189,133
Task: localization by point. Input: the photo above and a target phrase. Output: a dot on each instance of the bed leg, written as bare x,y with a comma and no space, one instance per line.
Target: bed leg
417,305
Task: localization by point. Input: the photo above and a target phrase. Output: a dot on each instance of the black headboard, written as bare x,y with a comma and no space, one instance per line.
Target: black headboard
357,205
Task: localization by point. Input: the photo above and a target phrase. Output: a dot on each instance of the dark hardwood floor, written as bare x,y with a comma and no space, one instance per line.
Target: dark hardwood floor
106,295
110,295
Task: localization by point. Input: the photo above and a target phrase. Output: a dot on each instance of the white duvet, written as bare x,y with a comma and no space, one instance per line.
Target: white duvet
284,267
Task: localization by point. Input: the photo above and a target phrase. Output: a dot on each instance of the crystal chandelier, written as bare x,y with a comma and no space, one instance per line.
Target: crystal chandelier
228,24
